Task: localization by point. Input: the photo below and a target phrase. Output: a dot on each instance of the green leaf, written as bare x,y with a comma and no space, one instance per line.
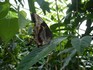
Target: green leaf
80,44
38,53
12,14
31,6
4,8
22,19
8,28
76,44
85,41
67,60
43,5
66,50
55,26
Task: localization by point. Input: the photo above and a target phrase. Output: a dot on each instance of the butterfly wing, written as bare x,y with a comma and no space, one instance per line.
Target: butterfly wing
42,33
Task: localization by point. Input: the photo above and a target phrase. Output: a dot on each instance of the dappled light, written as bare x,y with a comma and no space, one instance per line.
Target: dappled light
46,34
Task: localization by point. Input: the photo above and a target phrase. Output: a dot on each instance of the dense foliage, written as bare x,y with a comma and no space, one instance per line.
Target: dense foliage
68,50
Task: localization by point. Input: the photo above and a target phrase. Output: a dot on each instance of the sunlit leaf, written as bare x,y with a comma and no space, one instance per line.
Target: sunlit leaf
12,14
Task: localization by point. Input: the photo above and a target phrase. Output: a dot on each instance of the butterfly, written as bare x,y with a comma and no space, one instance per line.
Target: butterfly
42,33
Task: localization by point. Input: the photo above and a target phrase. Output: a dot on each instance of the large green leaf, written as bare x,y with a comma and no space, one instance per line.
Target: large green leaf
8,28
38,53
4,8
80,44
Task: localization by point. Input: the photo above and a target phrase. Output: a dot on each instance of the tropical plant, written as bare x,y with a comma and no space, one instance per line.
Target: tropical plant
68,50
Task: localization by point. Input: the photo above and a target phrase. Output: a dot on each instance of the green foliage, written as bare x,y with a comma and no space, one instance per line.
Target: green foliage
4,8
31,6
38,53
43,5
69,50
8,28
68,59
22,19
80,44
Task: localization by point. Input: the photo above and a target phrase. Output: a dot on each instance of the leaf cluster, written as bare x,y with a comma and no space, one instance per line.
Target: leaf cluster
68,50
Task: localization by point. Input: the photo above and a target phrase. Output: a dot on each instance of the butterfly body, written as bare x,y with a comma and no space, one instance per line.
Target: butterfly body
42,33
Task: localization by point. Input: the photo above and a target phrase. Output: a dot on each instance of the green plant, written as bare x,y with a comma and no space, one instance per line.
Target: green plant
68,50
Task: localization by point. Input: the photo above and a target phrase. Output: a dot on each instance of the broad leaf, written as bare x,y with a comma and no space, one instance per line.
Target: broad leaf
38,53
81,44
8,28
4,8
